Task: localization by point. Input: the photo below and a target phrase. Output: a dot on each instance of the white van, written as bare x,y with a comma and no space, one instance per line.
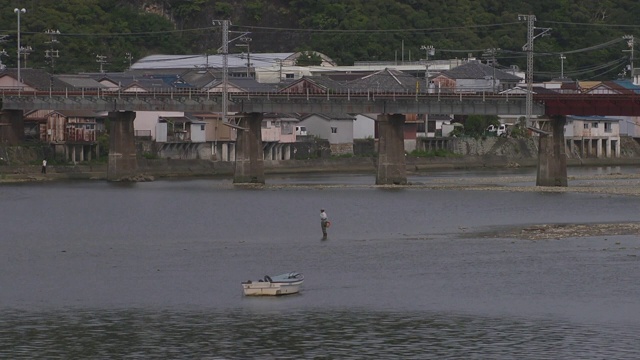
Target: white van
301,130
500,130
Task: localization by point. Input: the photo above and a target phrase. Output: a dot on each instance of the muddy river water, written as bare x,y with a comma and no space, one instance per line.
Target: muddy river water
97,270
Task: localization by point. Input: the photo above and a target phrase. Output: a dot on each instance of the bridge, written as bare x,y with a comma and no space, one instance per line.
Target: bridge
249,107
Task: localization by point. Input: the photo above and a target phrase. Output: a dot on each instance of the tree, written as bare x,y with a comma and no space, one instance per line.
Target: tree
309,58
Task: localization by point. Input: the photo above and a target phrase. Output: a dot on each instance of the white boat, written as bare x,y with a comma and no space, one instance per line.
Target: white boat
283,284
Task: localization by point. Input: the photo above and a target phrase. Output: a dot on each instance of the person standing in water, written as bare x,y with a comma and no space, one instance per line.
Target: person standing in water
324,222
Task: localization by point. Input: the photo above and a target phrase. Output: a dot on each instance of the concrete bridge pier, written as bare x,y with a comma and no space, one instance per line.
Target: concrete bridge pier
122,148
249,154
11,127
392,164
552,159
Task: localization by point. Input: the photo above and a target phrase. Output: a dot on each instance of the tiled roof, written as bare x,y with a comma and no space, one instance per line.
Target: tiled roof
333,116
80,81
36,78
321,82
385,80
247,84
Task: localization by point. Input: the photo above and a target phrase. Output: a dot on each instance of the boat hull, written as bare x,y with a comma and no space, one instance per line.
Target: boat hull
284,284
270,289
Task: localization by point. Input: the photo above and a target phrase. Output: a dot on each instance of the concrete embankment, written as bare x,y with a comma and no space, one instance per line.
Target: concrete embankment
470,153
165,168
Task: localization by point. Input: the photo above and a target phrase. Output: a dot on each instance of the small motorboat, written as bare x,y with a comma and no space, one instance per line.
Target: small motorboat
283,284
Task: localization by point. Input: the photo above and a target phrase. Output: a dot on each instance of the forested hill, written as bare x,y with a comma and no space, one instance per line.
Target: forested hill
588,32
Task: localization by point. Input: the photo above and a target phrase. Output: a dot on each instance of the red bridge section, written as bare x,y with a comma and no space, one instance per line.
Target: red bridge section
590,104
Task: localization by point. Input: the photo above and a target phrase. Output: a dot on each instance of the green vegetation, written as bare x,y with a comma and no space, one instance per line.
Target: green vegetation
434,153
347,31
149,156
342,156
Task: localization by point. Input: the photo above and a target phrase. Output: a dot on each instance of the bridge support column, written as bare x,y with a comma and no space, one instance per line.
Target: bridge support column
11,127
392,164
249,153
123,161
552,159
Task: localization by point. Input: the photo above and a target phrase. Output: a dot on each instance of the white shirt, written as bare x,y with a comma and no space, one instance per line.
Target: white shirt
323,216
44,162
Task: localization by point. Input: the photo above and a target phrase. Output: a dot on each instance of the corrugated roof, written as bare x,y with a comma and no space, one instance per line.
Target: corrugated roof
592,118
208,61
332,116
477,70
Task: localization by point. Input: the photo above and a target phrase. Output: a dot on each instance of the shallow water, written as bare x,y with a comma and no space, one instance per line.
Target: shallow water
153,270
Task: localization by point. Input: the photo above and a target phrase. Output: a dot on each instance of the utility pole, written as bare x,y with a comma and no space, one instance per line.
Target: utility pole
3,39
428,50
128,57
562,59
101,59
18,12
51,53
224,49
491,54
528,47
245,43
25,51
629,39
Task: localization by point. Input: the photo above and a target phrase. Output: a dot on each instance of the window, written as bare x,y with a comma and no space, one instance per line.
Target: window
607,127
202,127
334,130
289,76
594,125
585,126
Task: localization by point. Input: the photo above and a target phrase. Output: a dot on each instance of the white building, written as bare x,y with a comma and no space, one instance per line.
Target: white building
592,136
364,126
337,128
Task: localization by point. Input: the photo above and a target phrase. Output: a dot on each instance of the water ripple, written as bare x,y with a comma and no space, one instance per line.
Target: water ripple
140,334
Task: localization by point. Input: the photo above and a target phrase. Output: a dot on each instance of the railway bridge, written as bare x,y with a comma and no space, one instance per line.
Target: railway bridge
248,109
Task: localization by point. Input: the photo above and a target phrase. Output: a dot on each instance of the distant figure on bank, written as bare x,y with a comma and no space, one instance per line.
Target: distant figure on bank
324,223
44,166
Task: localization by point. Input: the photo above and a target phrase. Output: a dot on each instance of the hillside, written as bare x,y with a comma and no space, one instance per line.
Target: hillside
588,32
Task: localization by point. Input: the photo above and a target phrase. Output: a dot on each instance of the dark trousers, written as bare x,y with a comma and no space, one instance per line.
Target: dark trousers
323,225
44,169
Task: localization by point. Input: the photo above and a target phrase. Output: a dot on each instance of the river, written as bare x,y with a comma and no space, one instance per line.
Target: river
98,270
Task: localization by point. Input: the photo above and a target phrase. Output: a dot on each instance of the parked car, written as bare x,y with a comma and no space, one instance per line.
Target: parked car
499,130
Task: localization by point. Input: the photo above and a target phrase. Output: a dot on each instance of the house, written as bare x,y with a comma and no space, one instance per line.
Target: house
32,79
278,136
364,126
592,136
434,124
336,128
239,85
72,134
386,80
181,137
220,137
475,76
313,85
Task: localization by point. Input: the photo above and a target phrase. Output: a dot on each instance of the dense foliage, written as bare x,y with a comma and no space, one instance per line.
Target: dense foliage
347,31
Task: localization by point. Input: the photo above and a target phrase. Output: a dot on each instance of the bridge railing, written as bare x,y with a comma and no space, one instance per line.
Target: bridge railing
185,93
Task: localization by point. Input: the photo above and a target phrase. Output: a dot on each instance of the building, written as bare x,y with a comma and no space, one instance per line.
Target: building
592,136
337,128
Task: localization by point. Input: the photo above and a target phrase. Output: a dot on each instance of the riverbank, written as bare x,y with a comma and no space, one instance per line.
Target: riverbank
171,168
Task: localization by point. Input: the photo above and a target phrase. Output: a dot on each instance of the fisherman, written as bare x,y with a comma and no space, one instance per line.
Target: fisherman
324,223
